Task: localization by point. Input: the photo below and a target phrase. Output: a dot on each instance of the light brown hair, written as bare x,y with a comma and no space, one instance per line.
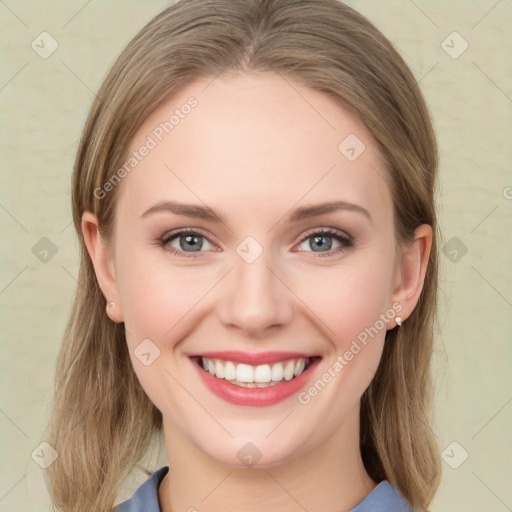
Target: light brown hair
102,421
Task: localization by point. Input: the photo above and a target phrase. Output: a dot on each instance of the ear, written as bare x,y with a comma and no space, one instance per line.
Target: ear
102,261
410,272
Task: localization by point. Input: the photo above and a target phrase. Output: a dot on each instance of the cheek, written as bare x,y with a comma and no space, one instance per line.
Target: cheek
159,296
157,302
161,300
351,299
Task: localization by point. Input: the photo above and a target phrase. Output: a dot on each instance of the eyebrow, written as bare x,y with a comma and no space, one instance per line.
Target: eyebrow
301,213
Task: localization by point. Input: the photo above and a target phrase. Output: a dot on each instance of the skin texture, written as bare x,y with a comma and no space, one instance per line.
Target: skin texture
255,148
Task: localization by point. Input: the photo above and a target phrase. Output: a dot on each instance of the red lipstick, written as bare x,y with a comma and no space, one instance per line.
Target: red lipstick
254,396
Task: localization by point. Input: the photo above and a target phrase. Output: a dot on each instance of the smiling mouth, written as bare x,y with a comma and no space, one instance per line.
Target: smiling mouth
255,376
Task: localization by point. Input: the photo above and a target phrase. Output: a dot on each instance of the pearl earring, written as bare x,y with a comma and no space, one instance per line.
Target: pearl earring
111,304
398,320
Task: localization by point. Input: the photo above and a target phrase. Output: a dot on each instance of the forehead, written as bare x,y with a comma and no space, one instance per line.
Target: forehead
250,139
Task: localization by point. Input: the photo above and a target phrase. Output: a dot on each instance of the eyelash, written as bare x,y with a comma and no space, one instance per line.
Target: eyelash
345,241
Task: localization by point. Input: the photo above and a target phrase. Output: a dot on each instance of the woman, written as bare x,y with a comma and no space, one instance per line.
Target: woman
254,197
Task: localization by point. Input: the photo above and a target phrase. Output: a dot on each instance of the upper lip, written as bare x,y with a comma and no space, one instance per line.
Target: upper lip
253,358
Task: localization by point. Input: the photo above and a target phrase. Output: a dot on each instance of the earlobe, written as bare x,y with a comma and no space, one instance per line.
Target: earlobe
411,271
102,261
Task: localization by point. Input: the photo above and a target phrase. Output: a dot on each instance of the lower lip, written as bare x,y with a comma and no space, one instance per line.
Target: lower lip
254,397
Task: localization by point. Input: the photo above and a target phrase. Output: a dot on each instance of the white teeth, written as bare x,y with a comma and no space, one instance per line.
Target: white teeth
219,370
288,370
299,367
254,384
244,373
229,370
260,376
262,373
277,372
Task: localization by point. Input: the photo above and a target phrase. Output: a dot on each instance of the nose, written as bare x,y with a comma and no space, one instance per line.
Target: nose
256,298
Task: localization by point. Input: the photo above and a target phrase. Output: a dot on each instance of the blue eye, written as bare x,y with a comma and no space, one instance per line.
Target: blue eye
323,239
185,239
320,242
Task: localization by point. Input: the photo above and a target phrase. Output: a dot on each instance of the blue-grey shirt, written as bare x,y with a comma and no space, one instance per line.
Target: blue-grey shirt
384,498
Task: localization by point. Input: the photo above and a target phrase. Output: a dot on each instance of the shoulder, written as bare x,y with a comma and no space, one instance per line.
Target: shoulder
145,498
384,498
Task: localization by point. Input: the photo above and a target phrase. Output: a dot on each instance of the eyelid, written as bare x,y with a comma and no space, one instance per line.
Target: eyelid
342,236
327,231
345,240
168,235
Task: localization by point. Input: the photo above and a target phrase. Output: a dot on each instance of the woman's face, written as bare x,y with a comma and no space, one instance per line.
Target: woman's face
279,286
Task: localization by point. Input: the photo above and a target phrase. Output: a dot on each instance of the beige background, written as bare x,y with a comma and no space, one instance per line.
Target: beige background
44,103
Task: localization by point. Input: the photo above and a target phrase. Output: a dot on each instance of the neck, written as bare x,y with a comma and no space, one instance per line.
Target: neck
328,478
